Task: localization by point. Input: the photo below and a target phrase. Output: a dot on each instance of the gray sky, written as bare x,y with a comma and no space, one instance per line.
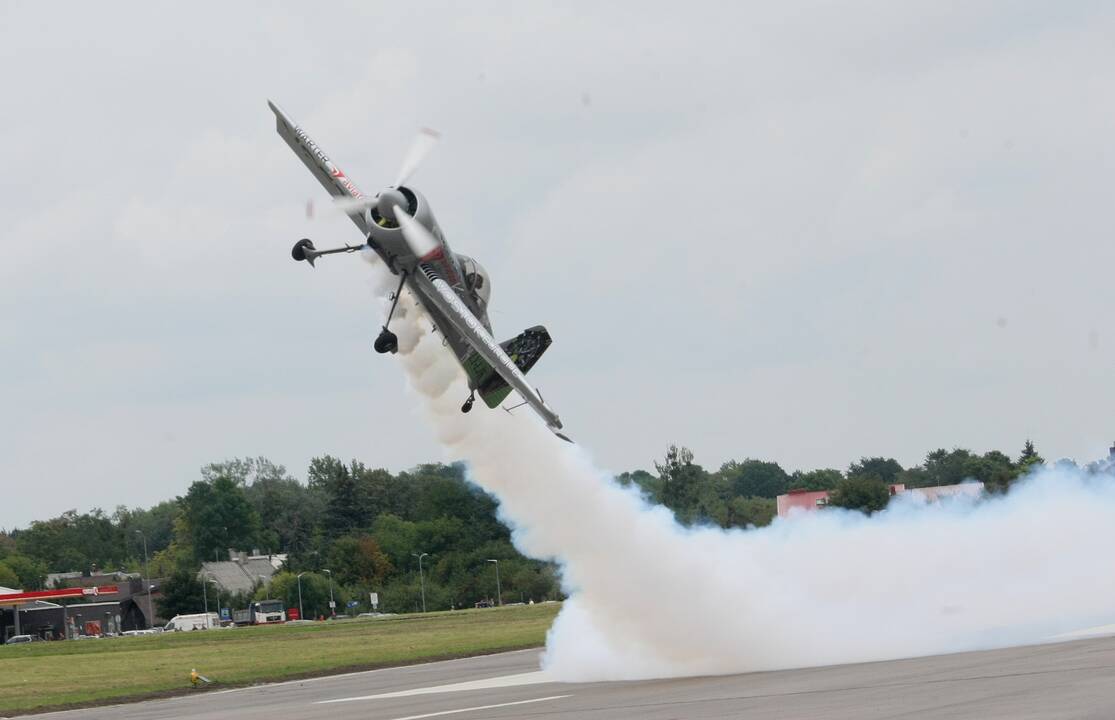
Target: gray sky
797,231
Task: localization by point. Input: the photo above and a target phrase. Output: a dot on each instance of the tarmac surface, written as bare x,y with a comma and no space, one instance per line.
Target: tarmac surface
1059,680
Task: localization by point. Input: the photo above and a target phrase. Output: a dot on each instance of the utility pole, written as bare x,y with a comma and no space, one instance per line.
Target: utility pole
301,614
499,592
147,582
421,578
332,605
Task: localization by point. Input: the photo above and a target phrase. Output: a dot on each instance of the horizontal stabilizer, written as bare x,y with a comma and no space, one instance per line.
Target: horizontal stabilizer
524,350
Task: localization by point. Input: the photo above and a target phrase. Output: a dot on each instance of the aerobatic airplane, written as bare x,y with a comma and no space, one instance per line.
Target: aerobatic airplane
453,289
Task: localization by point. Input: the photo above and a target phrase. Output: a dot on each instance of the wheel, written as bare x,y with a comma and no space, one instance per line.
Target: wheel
387,342
298,252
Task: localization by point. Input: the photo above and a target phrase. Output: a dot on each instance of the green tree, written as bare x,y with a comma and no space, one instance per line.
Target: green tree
885,469
397,538
73,541
648,483
755,478
945,467
182,594
290,512
862,492
7,544
681,481
1028,458
31,573
216,516
156,525
8,578
358,560
747,511
345,507
814,480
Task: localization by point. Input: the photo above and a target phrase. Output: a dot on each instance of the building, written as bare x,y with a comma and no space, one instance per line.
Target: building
135,598
54,614
242,572
934,493
811,500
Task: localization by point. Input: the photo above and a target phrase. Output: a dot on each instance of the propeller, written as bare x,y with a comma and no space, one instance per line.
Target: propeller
420,240
420,147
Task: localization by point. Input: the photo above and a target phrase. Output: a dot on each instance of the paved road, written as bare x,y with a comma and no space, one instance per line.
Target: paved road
1063,680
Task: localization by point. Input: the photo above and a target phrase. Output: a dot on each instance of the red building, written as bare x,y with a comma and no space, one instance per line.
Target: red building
809,500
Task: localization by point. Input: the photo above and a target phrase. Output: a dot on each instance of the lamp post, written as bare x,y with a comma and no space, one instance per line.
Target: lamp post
301,614
332,605
205,598
499,592
217,586
147,582
421,578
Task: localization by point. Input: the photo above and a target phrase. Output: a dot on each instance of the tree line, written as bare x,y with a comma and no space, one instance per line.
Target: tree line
360,529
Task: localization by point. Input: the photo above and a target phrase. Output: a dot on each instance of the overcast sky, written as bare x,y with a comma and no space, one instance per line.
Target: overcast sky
798,231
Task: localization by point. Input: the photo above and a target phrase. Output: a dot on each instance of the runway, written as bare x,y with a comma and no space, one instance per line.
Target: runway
1059,680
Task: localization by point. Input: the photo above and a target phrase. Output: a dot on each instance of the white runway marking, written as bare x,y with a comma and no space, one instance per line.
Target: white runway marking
530,678
1100,631
481,707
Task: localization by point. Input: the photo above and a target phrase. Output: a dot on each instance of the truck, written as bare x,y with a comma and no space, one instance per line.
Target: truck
197,621
260,612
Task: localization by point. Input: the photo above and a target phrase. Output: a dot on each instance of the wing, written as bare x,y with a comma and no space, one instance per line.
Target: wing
331,177
438,292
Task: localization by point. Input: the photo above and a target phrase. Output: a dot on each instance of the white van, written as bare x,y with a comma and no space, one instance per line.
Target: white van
198,621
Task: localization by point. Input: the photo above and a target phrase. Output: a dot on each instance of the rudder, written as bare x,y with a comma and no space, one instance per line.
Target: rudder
524,350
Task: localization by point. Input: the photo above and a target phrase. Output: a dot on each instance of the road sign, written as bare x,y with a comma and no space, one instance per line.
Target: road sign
332,605
374,597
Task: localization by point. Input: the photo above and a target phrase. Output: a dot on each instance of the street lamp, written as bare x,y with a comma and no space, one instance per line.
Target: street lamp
147,582
499,592
217,585
421,578
206,578
332,605
301,614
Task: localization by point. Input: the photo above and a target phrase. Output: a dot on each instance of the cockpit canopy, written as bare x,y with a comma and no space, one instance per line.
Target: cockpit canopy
476,278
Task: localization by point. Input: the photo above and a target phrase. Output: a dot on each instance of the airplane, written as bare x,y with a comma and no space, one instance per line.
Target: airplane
452,288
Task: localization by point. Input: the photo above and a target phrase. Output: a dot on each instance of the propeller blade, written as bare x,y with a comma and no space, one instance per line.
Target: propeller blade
350,205
423,143
420,240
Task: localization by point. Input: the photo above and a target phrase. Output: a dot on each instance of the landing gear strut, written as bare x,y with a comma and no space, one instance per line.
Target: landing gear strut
468,403
388,342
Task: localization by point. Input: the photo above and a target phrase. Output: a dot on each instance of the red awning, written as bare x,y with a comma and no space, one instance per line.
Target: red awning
28,597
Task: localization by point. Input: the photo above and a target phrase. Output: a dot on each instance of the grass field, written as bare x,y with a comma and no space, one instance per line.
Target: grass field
40,676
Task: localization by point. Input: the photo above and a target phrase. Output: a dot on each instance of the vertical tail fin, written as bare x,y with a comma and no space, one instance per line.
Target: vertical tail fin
524,350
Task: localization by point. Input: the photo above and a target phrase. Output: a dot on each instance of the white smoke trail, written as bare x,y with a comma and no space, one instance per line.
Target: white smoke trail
649,598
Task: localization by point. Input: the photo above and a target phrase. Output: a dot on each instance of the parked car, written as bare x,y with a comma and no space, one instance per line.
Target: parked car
17,639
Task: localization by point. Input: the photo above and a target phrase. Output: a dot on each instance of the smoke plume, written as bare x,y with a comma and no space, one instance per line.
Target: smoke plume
650,598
